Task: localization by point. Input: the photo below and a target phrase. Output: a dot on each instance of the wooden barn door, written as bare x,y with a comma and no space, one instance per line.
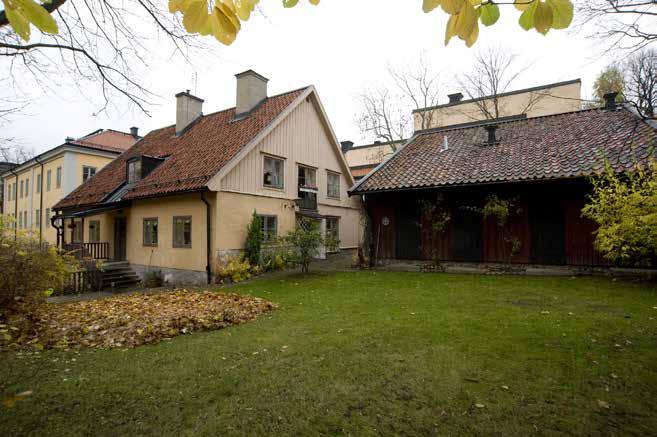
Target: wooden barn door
547,222
467,237
408,235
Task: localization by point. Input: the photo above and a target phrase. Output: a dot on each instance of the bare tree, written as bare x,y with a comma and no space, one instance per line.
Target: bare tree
628,25
100,42
492,74
641,78
387,113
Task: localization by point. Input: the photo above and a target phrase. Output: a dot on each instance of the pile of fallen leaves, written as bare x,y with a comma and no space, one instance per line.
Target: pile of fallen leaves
128,320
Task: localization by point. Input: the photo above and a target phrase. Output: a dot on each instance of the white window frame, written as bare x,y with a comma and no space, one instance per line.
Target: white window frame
280,186
329,174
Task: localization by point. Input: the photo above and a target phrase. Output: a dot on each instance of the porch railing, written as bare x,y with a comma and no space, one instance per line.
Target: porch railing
88,250
307,201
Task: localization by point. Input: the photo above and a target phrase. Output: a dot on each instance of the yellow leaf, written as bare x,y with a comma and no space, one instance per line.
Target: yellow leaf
522,5
469,41
195,17
450,29
290,3
244,8
452,7
314,2
562,10
231,23
543,17
489,14
526,20
466,21
37,15
18,22
430,5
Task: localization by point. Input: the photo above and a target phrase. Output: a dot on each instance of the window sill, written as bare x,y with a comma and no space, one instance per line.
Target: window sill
149,245
181,247
279,189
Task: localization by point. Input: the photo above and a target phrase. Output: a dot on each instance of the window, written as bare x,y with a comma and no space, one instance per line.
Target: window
27,186
307,178
22,186
47,217
333,233
38,184
20,220
48,178
76,232
150,231
182,231
134,170
333,185
273,172
37,217
87,172
94,231
25,219
269,227
10,189
58,180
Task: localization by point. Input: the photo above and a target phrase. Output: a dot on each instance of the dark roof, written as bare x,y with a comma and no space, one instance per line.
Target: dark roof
191,158
375,144
508,93
568,145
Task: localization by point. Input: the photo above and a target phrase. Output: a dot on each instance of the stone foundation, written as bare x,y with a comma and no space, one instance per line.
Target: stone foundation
175,277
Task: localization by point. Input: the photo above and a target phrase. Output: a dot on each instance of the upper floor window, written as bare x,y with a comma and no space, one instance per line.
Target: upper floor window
87,172
333,185
150,231
38,183
37,218
58,180
134,170
307,178
47,217
307,190
273,172
48,179
27,186
182,231
22,186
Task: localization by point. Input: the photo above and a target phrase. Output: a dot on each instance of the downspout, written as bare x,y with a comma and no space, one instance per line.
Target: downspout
208,235
15,194
41,213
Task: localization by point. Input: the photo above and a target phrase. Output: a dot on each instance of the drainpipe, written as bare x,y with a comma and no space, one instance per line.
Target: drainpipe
208,234
15,194
41,213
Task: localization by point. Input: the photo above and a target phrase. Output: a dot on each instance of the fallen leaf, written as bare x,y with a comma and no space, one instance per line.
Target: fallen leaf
603,404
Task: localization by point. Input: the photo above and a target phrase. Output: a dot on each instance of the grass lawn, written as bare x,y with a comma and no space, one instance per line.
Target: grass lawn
370,353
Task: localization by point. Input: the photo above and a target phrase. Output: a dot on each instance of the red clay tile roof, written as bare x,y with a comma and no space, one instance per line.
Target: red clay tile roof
107,139
557,146
192,158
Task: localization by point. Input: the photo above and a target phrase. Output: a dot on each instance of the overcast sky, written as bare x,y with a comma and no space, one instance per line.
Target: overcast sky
340,46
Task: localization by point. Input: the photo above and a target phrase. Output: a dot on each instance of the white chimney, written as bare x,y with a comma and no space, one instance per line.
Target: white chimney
251,90
188,109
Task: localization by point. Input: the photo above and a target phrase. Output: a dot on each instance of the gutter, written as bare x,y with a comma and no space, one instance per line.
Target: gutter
41,213
208,237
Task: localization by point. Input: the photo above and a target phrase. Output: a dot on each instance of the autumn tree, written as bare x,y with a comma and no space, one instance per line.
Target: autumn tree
625,25
641,81
492,74
386,111
610,80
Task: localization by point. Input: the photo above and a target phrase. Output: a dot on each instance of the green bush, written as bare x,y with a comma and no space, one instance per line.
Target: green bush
29,268
304,241
254,239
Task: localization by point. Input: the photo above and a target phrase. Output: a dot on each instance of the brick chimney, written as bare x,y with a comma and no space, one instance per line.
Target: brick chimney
188,109
134,131
251,91
610,101
492,130
346,146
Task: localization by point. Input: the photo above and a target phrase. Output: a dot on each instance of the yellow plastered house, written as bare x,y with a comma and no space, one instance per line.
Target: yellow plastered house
184,194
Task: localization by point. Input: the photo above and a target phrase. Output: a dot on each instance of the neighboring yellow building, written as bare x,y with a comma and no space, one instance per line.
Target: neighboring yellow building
35,186
364,158
184,195
555,98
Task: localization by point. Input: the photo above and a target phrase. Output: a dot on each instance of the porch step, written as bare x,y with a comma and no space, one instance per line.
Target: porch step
119,274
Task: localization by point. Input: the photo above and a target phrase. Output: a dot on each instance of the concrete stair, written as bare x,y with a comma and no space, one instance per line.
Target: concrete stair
118,274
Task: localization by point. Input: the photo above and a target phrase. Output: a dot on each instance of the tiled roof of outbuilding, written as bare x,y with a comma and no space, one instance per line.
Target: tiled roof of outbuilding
557,146
191,158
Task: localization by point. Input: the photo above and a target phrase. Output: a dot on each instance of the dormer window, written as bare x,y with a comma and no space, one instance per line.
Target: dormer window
134,170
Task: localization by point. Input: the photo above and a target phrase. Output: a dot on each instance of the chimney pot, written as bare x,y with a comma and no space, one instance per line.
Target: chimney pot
346,146
134,131
455,98
610,101
251,91
188,109
491,129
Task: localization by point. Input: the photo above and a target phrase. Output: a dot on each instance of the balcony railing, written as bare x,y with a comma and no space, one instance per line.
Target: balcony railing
307,201
88,250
